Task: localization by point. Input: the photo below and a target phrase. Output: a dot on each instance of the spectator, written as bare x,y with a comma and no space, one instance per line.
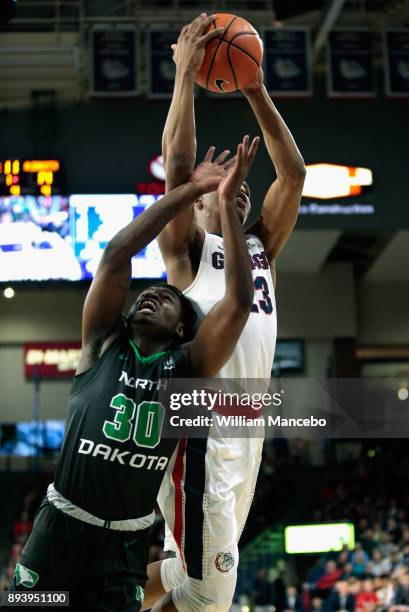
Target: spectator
384,590
347,572
340,598
396,562
405,555
359,563
360,552
386,546
366,600
6,575
354,586
23,526
343,557
329,578
280,591
369,543
263,590
378,565
394,530
401,591
317,605
292,600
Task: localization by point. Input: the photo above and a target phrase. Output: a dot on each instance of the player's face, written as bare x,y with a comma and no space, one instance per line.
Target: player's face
243,204
159,308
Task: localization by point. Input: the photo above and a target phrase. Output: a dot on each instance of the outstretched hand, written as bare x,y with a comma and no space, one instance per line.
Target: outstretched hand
238,168
209,172
190,49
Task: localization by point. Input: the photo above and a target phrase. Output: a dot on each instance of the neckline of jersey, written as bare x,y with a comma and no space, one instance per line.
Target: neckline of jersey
144,359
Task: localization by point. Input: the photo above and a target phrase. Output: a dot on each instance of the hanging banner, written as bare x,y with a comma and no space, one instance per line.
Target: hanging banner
350,64
161,67
397,63
113,62
51,359
287,62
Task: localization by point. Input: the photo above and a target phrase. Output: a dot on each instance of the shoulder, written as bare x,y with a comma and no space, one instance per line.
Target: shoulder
178,362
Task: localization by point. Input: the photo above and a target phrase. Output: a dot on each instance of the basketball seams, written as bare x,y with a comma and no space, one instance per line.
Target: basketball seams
217,48
231,66
227,42
230,42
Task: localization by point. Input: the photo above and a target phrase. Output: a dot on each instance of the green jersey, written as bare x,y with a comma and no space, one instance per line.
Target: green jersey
113,457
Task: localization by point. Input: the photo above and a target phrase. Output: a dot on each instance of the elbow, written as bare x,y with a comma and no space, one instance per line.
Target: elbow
294,176
115,253
178,168
299,171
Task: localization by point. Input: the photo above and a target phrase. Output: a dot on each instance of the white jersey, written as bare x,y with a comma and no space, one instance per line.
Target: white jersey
209,484
254,353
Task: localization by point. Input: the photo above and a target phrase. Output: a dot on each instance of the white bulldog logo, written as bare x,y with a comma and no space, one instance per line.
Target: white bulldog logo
224,561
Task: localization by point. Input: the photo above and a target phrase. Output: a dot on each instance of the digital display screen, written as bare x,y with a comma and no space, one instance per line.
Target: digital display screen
34,438
30,177
95,219
328,537
35,241
63,238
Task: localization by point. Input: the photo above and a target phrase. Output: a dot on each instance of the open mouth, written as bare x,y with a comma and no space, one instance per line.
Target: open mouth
148,305
241,202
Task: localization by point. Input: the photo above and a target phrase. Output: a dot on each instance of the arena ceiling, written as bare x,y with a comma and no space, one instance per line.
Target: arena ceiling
68,14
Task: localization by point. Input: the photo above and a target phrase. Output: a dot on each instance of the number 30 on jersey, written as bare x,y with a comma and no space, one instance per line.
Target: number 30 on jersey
147,426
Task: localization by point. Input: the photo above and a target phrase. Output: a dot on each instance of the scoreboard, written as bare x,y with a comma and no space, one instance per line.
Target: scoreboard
38,177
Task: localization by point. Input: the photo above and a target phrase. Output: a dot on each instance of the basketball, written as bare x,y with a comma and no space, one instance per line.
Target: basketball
232,59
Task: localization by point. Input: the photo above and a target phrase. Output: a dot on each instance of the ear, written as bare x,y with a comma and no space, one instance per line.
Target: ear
198,203
180,330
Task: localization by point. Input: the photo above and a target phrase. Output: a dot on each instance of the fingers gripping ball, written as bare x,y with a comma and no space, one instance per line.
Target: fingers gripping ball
232,59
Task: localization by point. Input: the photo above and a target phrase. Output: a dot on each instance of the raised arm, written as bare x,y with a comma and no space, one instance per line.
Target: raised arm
179,136
219,332
106,297
282,201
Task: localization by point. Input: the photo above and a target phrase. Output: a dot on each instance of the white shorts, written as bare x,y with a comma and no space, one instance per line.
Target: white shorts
205,499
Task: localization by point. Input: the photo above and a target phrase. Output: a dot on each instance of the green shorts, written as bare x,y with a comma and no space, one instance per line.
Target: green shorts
102,569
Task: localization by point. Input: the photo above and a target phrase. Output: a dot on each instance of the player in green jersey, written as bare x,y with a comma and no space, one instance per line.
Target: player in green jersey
90,535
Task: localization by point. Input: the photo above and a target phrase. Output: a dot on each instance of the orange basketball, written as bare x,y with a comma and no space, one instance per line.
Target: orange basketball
232,59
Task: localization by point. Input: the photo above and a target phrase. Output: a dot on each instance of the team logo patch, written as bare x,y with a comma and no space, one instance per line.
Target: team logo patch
24,576
224,561
169,364
139,594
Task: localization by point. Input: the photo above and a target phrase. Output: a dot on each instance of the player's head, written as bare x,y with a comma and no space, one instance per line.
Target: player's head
163,312
207,207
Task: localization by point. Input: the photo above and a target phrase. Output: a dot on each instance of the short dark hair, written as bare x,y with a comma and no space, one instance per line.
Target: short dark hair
189,314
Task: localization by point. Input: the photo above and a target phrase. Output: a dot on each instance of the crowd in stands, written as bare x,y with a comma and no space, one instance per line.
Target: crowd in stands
373,493
21,526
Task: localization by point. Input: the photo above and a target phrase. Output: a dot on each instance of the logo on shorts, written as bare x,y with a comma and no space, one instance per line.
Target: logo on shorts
27,578
224,561
139,594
